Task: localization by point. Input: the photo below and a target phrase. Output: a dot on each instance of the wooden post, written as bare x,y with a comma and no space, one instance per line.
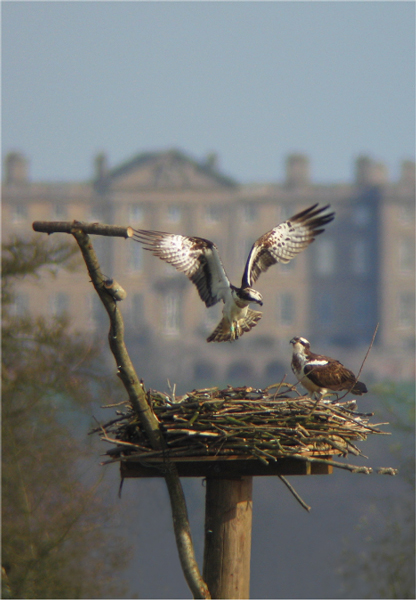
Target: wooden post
228,517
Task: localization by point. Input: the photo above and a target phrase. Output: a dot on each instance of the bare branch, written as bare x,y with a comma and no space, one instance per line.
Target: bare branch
147,417
89,228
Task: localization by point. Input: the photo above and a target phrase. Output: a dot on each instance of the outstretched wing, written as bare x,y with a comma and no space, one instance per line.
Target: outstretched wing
196,257
285,241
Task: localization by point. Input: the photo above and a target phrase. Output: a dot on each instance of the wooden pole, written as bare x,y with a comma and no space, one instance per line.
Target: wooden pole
228,518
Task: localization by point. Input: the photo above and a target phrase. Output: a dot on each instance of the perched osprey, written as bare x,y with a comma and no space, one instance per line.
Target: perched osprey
321,374
199,259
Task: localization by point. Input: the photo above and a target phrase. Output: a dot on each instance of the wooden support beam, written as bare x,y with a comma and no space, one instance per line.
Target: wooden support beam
228,519
221,468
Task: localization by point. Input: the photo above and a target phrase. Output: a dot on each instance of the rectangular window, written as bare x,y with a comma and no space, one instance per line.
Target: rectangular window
59,304
286,308
136,213
137,309
172,313
287,267
60,212
326,309
285,211
407,254
135,258
363,309
406,309
89,310
95,213
360,257
407,213
361,215
174,214
20,305
250,213
212,214
18,213
325,257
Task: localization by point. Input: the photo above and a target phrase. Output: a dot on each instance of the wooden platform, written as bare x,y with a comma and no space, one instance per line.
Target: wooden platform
226,467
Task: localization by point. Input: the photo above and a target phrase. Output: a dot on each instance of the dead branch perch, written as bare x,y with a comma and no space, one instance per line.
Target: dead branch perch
89,228
136,392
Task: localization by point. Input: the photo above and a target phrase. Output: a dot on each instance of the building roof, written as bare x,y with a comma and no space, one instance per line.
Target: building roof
170,169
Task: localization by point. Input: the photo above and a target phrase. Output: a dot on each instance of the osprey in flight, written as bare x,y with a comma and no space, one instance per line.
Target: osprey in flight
199,259
321,374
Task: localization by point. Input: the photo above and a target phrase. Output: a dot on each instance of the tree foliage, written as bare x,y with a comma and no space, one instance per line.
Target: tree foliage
59,537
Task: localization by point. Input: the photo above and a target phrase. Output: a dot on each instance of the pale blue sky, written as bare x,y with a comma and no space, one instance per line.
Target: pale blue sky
252,81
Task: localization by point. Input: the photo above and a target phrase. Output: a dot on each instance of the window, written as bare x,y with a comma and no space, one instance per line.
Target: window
406,309
18,213
286,267
136,213
212,213
250,213
360,257
137,309
58,304
363,309
95,213
325,257
211,318
285,212
407,254
361,215
89,310
135,257
20,306
172,313
60,211
407,213
286,308
245,245
325,309
174,214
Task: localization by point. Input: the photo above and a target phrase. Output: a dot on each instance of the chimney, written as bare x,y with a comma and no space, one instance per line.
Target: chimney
211,161
407,175
101,167
369,172
15,169
297,170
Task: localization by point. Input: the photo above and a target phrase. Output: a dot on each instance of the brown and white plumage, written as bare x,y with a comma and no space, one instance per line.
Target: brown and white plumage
285,241
320,374
199,259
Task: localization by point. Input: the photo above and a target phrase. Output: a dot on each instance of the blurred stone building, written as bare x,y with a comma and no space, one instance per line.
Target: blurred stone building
360,272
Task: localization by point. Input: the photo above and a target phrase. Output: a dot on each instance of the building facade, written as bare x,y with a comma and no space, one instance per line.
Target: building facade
359,273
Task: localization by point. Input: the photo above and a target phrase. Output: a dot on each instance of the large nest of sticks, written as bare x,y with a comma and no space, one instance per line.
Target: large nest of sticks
265,424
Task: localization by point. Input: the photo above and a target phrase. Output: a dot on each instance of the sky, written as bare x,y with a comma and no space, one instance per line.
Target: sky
250,81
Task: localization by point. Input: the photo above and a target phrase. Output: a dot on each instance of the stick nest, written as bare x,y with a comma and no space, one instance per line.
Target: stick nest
265,424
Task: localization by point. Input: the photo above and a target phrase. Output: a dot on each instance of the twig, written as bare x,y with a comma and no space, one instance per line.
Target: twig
294,492
363,363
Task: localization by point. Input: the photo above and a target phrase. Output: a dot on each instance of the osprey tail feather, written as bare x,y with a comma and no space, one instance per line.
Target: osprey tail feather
359,388
225,332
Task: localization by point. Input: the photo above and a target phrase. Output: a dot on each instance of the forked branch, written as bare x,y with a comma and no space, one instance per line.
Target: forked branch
135,390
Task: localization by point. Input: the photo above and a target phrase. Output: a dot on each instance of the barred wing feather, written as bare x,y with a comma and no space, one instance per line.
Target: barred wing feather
285,241
196,257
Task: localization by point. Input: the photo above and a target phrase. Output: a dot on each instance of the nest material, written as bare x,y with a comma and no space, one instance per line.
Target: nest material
245,422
